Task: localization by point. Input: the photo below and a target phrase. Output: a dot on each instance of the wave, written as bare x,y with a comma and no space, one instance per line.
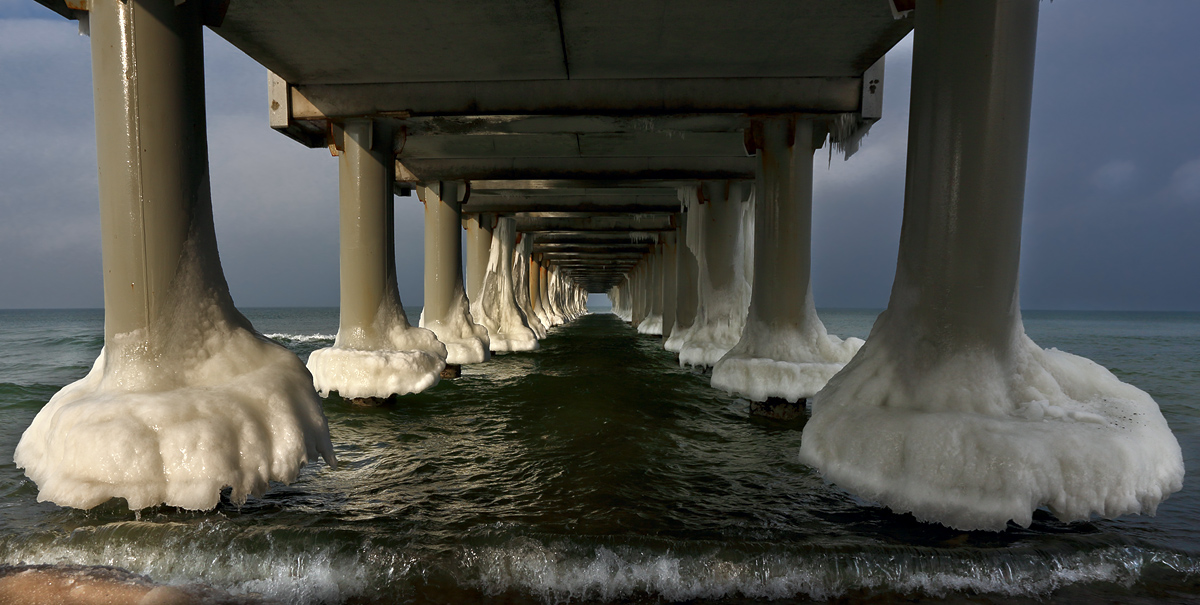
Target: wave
310,566
286,338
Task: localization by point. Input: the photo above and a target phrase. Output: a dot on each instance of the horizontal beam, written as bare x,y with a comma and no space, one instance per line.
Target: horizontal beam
570,203
651,97
656,222
428,170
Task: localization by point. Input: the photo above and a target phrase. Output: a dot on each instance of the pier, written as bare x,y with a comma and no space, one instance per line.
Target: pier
658,153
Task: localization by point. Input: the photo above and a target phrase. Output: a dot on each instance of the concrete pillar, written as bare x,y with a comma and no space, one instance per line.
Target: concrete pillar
669,304
535,293
685,279
446,310
724,293
784,352
479,249
552,318
949,411
652,323
181,370
377,354
497,308
522,283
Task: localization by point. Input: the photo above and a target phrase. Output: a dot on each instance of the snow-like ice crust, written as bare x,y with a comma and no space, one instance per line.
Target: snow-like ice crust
977,440
174,413
466,341
521,279
497,309
792,362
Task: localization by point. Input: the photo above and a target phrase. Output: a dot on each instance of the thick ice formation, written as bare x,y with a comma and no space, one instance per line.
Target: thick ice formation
791,361
465,340
390,357
520,276
497,308
724,292
982,440
173,414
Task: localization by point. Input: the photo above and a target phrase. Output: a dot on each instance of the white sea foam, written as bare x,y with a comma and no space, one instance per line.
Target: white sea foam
980,440
176,412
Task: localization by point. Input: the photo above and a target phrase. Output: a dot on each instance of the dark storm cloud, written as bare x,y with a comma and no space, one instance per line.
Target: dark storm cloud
1113,194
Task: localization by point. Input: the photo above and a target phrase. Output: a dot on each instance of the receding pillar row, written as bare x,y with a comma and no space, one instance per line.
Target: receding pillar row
949,411
185,398
784,351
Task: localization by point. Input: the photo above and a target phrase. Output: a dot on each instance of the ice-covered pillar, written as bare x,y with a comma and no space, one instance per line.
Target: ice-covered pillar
652,278
479,249
496,308
521,285
544,294
949,411
685,281
724,293
377,354
637,287
446,310
784,355
669,258
185,398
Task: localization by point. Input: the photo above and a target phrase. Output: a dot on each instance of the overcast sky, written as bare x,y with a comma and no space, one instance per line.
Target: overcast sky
1112,206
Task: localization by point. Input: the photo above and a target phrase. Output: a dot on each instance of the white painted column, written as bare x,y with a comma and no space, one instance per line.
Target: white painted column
784,351
446,309
182,373
949,410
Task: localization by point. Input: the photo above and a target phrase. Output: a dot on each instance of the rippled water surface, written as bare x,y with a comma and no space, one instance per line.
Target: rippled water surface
595,469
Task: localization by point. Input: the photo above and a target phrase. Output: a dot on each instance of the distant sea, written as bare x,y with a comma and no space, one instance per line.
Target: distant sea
597,470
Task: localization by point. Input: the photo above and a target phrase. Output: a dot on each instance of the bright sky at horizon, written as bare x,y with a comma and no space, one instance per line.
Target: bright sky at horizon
1112,200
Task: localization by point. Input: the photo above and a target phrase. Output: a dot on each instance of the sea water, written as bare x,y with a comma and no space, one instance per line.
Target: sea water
596,469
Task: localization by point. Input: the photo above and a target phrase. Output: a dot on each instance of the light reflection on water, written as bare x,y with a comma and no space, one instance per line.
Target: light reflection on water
595,469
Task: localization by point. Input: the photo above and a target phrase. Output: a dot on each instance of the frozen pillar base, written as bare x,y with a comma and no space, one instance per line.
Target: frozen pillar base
186,398
949,411
784,351
377,354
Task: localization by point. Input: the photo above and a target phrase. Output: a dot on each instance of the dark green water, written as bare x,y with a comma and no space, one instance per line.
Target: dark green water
595,469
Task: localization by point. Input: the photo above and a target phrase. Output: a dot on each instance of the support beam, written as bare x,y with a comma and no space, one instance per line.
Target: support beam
427,170
950,411
642,97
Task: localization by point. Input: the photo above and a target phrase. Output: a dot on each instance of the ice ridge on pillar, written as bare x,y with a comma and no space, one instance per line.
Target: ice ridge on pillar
949,411
497,308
